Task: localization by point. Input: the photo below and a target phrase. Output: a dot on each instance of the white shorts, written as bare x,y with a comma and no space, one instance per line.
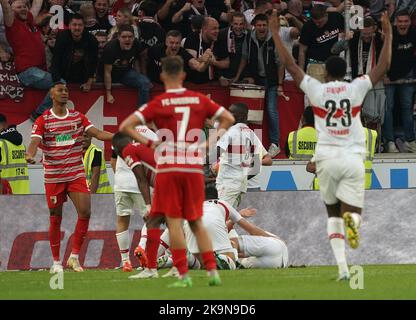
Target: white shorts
233,197
127,201
275,255
219,237
342,180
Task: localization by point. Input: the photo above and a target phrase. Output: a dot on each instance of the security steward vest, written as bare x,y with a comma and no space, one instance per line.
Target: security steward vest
103,182
13,167
302,143
370,144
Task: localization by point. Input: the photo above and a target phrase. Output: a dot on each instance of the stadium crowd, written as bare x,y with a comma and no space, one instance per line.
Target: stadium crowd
123,41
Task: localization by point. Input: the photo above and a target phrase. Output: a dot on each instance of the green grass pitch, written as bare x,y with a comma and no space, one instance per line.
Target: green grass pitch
380,282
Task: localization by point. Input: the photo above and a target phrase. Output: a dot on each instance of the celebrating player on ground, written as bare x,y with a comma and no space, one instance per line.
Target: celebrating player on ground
341,149
180,115
58,132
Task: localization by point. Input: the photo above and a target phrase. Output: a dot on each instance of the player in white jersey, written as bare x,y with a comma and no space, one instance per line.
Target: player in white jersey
340,149
240,150
259,249
127,197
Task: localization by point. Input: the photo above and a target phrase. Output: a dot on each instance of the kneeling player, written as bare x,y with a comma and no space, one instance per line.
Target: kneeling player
260,249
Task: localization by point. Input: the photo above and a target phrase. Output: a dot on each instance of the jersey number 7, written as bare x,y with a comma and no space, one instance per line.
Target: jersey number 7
183,124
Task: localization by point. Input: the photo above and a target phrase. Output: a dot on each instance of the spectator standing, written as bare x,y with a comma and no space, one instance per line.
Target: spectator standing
75,55
5,49
182,18
123,17
28,47
365,47
377,7
294,14
171,47
101,38
120,59
151,33
234,36
12,158
105,20
87,12
207,48
401,69
260,59
316,40
260,7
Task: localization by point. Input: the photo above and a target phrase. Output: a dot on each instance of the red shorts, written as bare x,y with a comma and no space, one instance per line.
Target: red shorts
56,193
179,195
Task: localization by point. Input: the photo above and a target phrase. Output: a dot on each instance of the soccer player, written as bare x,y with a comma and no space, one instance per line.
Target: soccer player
240,150
259,249
179,114
127,194
58,131
340,149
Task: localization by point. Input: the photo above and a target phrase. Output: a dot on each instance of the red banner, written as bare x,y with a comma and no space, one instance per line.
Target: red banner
109,116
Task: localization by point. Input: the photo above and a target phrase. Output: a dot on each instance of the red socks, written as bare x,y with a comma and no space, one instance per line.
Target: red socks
152,246
55,235
79,234
209,260
179,260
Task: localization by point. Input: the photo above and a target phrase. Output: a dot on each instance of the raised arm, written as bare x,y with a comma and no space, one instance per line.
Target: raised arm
35,9
386,52
7,13
284,55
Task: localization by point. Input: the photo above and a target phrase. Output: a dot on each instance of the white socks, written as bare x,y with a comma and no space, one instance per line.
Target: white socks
143,237
123,244
336,236
73,255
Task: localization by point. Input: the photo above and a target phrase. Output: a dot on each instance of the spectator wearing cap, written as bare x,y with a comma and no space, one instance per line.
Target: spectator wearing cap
209,49
234,36
121,64
316,40
75,55
105,20
171,47
260,7
402,69
261,62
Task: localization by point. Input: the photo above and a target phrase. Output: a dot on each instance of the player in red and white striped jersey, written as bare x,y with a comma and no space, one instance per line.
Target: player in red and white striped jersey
180,115
58,132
